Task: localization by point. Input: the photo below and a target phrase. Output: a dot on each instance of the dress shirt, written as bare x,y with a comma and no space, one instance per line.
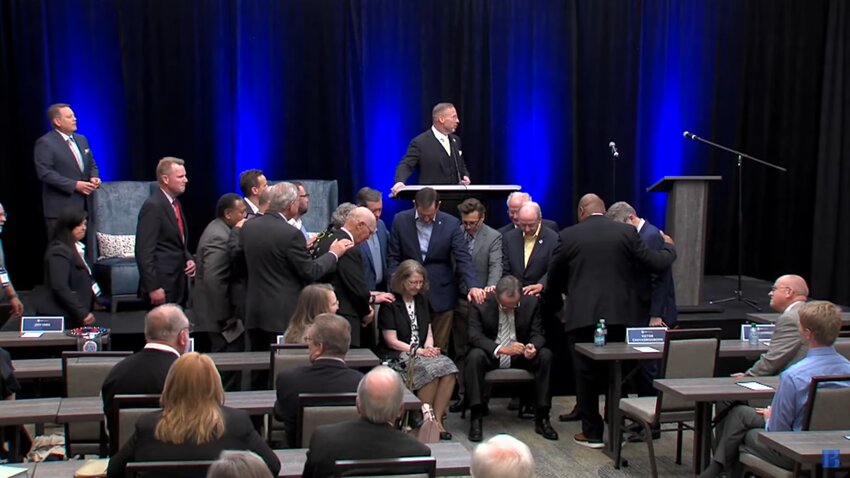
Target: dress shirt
443,139
793,391
75,149
529,244
423,231
254,209
162,348
507,329
377,258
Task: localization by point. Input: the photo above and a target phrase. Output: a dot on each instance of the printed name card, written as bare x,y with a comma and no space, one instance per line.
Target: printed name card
764,331
39,325
645,335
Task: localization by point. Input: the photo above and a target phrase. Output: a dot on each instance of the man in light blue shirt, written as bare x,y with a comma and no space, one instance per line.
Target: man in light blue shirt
820,323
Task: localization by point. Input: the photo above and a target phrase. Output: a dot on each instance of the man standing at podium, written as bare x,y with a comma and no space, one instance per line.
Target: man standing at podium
437,153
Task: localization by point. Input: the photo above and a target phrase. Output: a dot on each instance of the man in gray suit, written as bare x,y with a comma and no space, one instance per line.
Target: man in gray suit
212,311
788,293
485,246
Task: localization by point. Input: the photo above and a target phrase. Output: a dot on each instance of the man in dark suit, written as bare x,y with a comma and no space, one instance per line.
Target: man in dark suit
379,402
374,250
355,298
506,331
166,333
279,266
212,311
437,153
65,166
161,237
252,183
527,249
238,267
329,337
515,201
599,264
434,239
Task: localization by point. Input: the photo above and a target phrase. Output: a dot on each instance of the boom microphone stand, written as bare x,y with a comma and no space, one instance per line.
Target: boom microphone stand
737,294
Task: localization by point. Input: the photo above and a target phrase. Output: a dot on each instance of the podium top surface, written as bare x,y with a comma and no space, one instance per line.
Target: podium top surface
666,183
459,190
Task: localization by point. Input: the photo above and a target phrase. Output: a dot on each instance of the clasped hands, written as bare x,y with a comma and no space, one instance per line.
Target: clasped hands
428,352
529,351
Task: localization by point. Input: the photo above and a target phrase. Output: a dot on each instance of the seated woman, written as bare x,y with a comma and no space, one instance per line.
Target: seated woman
314,299
193,424
69,289
406,323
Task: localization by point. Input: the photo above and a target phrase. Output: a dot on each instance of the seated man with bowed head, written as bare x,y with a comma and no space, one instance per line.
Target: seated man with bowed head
373,436
327,343
502,456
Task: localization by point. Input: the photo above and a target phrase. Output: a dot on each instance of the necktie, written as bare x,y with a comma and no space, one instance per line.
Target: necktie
445,143
469,243
505,337
176,206
76,152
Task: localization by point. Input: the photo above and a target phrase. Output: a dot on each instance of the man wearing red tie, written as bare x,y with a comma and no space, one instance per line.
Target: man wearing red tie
65,165
161,237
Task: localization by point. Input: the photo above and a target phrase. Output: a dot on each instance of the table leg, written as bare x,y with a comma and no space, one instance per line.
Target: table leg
702,436
612,403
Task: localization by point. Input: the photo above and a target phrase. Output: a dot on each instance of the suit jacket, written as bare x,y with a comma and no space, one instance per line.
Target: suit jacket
326,375
211,303
357,440
435,166
58,171
67,285
484,324
513,253
785,349
143,372
663,299
239,434
161,252
394,317
446,244
601,265
546,223
369,261
486,258
349,283
279,266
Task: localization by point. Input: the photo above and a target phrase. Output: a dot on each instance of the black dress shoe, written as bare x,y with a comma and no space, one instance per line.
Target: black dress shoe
641,436
475,430
543,427
457,406
569,417
444,435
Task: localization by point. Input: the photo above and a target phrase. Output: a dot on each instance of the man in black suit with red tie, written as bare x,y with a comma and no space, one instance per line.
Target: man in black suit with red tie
161,236
437,153
65,166
601,266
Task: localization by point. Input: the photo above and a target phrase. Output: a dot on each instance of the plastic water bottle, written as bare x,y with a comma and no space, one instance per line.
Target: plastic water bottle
754,335
604,329
599,335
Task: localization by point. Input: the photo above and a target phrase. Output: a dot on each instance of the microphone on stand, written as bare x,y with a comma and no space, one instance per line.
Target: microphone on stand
690,135
614,151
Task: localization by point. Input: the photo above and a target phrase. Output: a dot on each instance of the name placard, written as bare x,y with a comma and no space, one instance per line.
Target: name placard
42,324
764,331
645,335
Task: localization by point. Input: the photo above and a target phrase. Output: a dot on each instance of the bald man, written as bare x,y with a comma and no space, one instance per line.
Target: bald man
515,201
600,264
349,280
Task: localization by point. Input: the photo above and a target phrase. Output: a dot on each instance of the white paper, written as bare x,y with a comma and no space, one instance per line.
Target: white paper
755,386
31,335
646,349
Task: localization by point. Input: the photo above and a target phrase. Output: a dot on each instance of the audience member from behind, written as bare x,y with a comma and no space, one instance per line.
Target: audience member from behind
166,333
374,436
313,300
502,456
69,288
7,291
193,423
327,343
238,464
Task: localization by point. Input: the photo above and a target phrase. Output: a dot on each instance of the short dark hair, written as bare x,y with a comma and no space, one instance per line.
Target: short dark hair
367,194
225,202
426,197
53,111
508,285
471,205
249,179
68,219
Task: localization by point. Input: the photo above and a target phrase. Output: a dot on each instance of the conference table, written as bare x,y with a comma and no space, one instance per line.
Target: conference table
807,448
224,361
59,340
704,392
618,352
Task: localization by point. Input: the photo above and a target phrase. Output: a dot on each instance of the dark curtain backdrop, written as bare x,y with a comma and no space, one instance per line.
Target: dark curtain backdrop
335,89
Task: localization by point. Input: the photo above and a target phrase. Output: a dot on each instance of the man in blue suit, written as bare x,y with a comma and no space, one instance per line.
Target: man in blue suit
374,249
65,166
435,239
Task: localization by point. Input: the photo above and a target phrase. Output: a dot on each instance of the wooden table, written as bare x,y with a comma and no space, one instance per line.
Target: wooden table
615,353
225,361
806,448
452,460
14,339
22,412
769,318
704,392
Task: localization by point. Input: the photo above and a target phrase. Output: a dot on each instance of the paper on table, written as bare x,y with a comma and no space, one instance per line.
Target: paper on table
646,349
31,335
755,386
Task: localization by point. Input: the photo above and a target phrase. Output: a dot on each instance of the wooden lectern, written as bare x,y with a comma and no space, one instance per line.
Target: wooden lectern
687,201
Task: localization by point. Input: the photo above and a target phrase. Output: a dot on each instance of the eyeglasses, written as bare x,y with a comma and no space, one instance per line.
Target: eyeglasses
190,328
502,307
415,283
471,223
781,287
371,231
304,195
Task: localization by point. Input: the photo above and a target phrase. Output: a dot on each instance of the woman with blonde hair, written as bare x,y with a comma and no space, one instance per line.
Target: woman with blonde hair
405,326
193,423
314,299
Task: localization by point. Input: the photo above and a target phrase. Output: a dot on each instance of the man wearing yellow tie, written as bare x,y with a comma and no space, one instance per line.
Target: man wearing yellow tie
65,165
526,250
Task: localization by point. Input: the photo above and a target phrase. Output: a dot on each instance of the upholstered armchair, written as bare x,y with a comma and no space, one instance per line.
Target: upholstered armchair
324,198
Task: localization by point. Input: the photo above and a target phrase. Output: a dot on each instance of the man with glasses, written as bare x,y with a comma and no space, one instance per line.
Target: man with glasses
506,331
327,343
303,207
526,250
